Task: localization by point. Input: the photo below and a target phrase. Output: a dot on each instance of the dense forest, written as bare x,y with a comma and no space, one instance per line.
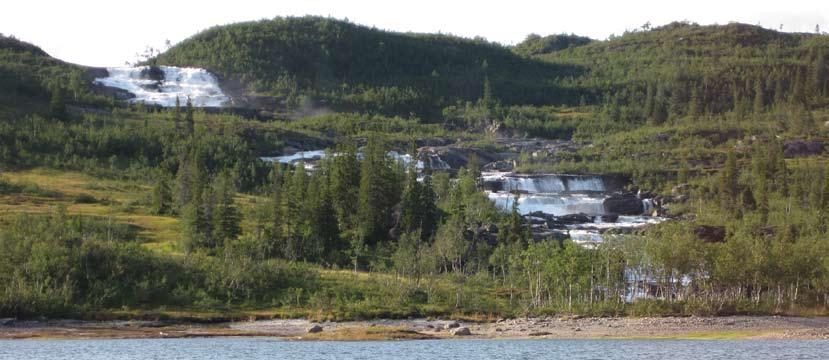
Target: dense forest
354,68
114,209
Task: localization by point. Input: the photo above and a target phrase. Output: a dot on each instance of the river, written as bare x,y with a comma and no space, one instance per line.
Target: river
270,348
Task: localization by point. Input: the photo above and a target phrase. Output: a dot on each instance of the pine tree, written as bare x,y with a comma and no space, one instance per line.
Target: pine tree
57,107
660,107
162,197
197,217
728,182
177,115
429,210
514,232
379,192
294,212
759,96
226,217
190,126
322,222
798,94
695,103
648,106
820,73
275,228
345,183
410,207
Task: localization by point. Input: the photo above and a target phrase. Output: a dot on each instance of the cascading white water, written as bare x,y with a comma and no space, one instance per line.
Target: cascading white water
561,195
556,204
547,184
585,183
300,156
435,162
197,84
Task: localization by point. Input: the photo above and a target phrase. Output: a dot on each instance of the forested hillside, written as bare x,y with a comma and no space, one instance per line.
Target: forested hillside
687,69
29,78
117,209
353,67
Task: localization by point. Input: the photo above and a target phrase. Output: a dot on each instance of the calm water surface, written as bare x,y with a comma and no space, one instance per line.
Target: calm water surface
264,348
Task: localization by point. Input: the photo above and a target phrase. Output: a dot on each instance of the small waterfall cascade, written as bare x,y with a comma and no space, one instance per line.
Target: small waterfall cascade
161,85
567,197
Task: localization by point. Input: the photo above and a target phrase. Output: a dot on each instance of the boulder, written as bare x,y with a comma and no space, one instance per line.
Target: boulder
451,325
502,166
153,73
710,234
623,204
461,331
493,185
542,215
314,329
610,218
800,148
571,219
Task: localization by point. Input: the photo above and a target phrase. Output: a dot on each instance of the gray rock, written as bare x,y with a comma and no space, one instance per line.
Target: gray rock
6,322
624,204
451,325
314,329
461,331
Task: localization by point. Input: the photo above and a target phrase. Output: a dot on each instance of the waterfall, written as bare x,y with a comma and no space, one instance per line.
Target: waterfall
585,183
162,88
556,204
550,183
300,156
547,184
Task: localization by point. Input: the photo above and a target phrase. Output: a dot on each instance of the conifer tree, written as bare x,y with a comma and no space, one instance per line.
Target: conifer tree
161,198
648,106
728,182
57,106
379,191
759,102
275,228
226,217
177,115
345,185
294,213
410,206
190,126
429,210
695,103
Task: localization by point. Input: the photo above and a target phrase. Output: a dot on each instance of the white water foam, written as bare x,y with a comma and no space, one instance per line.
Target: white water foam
197,84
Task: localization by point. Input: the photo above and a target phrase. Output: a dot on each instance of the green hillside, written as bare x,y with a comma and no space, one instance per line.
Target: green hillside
29,77
132,211
687,69
349,66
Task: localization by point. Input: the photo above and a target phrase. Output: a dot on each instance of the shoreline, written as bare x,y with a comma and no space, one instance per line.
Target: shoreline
567,327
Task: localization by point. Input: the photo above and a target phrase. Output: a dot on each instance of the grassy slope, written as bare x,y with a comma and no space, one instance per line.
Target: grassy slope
369,295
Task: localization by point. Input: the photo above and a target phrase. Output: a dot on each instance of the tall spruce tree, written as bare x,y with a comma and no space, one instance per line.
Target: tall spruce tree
728,186
189,122
226,217
57,106
345,185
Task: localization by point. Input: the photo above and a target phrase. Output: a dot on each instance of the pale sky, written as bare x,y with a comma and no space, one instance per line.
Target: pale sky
108,33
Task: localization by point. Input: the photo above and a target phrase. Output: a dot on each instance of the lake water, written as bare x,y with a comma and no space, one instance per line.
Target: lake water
266,348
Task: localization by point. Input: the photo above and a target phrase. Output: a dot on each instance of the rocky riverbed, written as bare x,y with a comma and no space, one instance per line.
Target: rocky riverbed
553,327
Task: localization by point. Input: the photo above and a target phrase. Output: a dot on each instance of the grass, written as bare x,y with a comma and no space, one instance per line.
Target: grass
87,195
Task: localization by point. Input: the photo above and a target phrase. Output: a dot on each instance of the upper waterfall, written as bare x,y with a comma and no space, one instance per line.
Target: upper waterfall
161,85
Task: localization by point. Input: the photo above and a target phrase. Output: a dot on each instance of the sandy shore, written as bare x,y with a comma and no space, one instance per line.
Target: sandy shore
737,327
